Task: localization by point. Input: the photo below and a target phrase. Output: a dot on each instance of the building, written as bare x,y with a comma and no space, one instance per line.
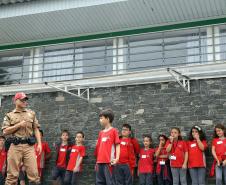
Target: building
157,63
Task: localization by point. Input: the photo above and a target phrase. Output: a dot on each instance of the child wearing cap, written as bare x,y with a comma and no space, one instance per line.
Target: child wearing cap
196,157
107,149
74,167
2,159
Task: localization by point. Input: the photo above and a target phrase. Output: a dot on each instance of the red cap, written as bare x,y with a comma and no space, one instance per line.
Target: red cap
20,96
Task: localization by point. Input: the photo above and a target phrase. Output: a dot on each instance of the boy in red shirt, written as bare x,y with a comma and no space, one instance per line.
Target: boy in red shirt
127,160
107,149
2,159
45,155
63,152
146,162
74,167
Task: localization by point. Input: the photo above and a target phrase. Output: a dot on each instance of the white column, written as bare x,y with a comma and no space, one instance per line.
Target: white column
119,63
216,43
35,69
210,47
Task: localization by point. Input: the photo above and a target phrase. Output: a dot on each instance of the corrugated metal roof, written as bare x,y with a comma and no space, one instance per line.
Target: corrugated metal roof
109,17
6,2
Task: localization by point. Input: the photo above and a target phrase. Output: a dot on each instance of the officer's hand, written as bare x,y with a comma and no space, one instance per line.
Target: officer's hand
23,124
39,149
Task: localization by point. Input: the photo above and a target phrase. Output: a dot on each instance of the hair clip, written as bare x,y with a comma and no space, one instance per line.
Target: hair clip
197,127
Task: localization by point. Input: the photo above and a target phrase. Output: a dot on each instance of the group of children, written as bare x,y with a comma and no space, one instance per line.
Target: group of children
119,157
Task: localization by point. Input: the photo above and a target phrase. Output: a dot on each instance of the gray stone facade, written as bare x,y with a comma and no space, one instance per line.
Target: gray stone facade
150,108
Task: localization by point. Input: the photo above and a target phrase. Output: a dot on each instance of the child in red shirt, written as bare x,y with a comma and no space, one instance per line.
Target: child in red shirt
146,162
107,149
63,152
219,153
127,159
3,158
74,167
178,156
45,155
163,168
196,157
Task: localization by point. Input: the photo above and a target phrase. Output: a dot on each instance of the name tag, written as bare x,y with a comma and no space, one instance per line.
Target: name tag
62,149
143,156
104,139
193,145
162,162
123,143
73,150
219,142
172,157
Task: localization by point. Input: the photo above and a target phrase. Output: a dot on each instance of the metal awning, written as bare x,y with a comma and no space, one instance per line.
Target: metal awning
54,19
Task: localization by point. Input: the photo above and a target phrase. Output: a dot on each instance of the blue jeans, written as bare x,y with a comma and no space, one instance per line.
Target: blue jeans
71,178
179,176
103,174
220,172
145,179
122,174
1,178
198,176
58,173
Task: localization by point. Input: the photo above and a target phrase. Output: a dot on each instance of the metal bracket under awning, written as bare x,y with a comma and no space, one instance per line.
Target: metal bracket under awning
182,80
80,91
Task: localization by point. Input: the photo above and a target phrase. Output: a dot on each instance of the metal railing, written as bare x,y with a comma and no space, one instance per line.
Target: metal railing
76,62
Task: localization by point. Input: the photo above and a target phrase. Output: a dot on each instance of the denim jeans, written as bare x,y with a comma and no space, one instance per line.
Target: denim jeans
179,176
198,176
220,173
145,179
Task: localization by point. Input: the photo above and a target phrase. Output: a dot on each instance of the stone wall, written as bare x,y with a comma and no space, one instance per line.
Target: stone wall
150,108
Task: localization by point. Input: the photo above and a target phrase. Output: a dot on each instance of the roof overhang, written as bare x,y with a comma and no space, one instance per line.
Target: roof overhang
37,22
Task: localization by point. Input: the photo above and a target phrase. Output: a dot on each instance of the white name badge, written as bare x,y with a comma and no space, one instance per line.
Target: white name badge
219,142
73,150
193,145
62,149
162,162
143,156
172,157
104,139
123,143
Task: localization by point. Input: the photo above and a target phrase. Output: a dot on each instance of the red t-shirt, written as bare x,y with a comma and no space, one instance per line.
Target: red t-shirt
177,153
136,145
41,158
146,161
3,157
196,157
61,160
220,148
76,153
161,161
105,148
127,155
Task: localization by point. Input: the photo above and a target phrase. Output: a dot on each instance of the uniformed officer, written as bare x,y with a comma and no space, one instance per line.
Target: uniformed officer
22,126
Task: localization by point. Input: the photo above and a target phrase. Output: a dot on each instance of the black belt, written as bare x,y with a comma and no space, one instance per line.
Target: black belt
18,140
